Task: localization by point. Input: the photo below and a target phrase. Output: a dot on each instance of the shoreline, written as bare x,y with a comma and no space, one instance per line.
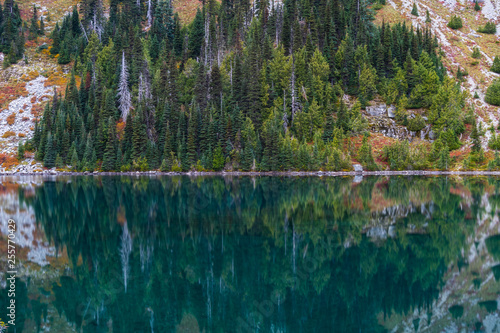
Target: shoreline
257,173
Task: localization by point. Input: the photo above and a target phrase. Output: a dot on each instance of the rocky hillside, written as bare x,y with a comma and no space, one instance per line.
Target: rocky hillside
26,86
457,45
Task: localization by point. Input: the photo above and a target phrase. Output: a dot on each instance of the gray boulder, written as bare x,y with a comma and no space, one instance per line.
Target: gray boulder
357,167
391,111
377,110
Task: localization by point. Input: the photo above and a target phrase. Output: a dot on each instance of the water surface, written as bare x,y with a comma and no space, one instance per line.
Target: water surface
264,254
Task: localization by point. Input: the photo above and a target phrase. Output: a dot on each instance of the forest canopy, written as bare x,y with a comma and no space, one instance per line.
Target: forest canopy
241,87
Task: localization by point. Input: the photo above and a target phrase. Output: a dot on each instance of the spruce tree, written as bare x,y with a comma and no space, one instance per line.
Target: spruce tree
496,65
218,159
109,158
50,153
41,31
414,10
476,54
74,159
493,93
427,16
475,136
20,151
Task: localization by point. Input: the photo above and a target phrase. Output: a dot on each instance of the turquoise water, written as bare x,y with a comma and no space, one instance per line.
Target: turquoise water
269,254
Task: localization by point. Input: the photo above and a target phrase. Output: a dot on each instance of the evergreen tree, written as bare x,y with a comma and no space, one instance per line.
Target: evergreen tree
34,28
455,23
496,65
50,153
74,159
41,31
476,54
476,6
20,151
427,16
109,159
493,93
218,159
414,10
443,162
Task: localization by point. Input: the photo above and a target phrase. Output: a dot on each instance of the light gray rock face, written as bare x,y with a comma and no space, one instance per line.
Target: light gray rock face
432,135
391,111
377,110
390,128
427,133
357,167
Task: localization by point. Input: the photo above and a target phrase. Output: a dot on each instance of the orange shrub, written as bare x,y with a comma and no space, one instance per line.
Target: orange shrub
11,118
8,134
26,118
21,135
33,100
120,127
37,110
10,161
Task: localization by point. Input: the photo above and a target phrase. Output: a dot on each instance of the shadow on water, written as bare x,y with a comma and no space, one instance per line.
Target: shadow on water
269,254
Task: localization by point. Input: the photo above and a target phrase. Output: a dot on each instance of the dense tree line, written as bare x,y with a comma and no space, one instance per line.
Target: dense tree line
11,32
243,86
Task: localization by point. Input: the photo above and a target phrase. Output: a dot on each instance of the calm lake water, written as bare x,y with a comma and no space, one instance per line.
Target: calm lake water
242,254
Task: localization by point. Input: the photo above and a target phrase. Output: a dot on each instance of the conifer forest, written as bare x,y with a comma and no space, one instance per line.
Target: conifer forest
248,86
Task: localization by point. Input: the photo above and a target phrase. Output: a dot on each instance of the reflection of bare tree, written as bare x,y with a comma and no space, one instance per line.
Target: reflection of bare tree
125,250
146,252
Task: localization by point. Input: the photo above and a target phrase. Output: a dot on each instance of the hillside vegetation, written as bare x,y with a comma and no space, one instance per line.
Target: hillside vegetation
247,86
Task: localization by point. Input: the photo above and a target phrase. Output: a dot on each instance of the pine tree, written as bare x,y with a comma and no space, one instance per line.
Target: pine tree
476,6
74,159
20,151
475,136
476,54
139,139
496,65
34,28
41,31
427,16
59,162
109,158
455,23
50,153
443,162
192,140
493,93
414,10
218,159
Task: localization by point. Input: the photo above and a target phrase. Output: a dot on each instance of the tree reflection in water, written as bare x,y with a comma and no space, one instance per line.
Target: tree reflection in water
269,254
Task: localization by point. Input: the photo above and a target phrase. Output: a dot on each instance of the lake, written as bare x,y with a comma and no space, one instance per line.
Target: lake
253,254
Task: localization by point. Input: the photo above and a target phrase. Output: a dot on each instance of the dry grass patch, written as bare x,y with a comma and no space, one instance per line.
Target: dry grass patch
186,9
8,134
56,80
